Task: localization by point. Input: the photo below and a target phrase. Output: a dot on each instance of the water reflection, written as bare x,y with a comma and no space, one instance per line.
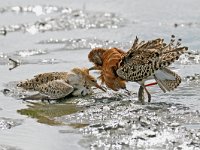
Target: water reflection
45,113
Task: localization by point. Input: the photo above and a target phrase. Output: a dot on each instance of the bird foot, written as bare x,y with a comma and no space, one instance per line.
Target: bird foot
127,92
149,95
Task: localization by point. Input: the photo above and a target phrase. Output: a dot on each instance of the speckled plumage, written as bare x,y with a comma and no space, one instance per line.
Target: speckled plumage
41,79
167,84
144,58
144,61
55,85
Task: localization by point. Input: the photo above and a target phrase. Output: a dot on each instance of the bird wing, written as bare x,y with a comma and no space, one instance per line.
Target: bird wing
40,79
138,65
167,79
55,89
144,58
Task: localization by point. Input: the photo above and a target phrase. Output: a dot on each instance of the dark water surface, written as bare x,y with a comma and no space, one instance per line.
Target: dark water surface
46,36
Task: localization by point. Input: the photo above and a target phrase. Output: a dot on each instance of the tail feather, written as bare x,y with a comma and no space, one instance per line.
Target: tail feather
167,79
27,85
169,57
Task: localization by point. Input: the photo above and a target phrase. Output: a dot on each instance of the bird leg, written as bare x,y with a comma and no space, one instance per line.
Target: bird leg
149,95
127,92
141,95
150,84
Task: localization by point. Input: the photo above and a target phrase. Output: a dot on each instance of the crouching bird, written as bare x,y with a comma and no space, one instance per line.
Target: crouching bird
143,61
56,85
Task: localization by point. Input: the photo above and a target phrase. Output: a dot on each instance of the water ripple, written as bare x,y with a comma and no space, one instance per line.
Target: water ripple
67,19
191,57
187,24
3,59
7,123
7,147
31,52
86,43
192,79
37,10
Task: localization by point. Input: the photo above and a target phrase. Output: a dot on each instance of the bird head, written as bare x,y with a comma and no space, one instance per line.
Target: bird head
95,56
89,80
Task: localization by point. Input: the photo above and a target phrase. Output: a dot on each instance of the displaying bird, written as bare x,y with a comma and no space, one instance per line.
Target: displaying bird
144,61
107,61
56,85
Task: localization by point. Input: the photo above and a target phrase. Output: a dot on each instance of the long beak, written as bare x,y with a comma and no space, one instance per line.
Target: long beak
99,87
95,68
92,68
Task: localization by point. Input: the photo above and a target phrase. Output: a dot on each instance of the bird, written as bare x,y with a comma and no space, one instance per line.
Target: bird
107,61
142,62
57,85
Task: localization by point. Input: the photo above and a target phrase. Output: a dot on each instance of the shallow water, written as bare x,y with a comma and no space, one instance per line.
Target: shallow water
46,36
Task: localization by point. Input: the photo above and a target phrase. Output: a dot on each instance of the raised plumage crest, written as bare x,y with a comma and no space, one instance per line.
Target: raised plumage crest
95,56
110,59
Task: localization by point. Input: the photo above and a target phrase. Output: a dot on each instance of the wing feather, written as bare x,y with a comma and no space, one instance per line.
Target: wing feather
142,60
55,89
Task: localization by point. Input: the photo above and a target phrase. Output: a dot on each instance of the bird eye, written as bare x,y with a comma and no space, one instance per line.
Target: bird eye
93,80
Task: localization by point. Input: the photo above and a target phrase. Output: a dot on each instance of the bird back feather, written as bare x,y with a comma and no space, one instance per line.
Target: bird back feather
144,58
